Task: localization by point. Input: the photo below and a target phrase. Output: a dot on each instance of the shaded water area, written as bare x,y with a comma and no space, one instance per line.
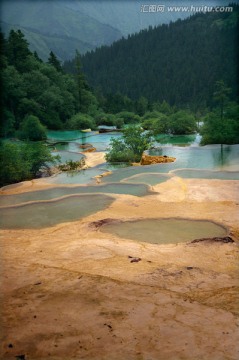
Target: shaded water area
73,139
50,213
57,192
178,140
164,231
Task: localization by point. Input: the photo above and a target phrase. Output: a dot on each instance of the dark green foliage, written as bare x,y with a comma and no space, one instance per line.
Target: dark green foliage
178,63
130,147
181,123
221,126
17,50
114,103
217,130
31,87
156,122
178,123
52,60
105,119
129,117
81,122
8,124
221,95
22,161
85,97
31,129
163,107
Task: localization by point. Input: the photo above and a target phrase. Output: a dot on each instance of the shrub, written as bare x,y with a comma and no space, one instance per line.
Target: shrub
81,121
32,129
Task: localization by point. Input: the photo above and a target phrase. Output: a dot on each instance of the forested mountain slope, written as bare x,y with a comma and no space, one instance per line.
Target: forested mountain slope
62,26
127,15
179,62
52,26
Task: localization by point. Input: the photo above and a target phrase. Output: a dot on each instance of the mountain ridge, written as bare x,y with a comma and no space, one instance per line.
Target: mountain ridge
93,22
53,19
179,62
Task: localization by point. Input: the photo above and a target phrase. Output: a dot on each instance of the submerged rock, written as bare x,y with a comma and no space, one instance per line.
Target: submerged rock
150,160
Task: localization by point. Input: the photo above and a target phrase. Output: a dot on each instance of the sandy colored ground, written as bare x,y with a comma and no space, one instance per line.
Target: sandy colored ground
94,159
72,292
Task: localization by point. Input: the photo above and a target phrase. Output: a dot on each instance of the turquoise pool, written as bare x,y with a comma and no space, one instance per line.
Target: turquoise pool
50,213
58,192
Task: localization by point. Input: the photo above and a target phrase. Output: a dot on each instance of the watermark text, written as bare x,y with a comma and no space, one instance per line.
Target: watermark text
157,8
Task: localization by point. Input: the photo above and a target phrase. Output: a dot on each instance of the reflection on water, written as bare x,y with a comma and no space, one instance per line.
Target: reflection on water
206,157
222,157
38,215
100,141
164,231
178,140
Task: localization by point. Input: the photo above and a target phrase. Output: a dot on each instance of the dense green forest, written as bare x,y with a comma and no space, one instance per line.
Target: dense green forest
32,87
38,95
177,62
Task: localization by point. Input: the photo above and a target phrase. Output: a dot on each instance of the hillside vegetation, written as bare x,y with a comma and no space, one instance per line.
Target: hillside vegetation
179,62
52,26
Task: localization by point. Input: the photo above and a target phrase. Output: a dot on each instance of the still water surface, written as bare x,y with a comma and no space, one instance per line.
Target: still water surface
164,231
50,213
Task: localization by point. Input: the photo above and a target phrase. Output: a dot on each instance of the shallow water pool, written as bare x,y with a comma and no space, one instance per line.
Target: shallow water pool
76,177
206,174
209,157
164,231
68,155
54,193
50,213
150,178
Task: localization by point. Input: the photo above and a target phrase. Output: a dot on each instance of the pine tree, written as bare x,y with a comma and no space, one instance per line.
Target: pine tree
17,50
80,80
52,60
221,95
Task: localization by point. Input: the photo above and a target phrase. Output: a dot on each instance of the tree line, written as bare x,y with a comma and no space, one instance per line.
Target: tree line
178,62
37,96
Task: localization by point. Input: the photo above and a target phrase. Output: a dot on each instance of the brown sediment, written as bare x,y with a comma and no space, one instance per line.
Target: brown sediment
89,150
70,292
150,160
